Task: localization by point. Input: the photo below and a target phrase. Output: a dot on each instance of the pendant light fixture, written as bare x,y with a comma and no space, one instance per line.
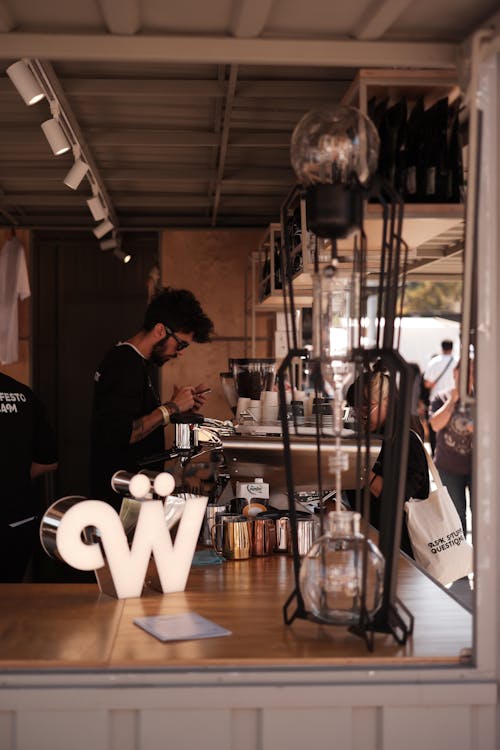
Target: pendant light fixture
114,243
110,244
25,82
103,228
34,80
97,208
55,136
122,255
76,174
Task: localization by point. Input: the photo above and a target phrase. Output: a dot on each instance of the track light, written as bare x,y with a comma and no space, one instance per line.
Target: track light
76,174
110,244
25,82
96,208
103,228
122,255
55,136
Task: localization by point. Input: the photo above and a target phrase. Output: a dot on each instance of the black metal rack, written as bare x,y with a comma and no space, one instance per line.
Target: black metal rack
392,617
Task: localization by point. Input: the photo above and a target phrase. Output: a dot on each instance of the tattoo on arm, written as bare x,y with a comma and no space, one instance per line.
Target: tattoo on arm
138,426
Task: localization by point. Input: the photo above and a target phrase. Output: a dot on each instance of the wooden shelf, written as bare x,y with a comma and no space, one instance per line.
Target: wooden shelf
433,232
395,84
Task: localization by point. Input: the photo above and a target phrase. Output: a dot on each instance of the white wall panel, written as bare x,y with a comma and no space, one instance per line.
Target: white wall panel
7,730
296,728
245,729
366,728
123,730
61,730
286,719
417,728
185,729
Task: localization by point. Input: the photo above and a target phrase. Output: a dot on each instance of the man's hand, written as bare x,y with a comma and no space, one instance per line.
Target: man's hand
183,397
200,395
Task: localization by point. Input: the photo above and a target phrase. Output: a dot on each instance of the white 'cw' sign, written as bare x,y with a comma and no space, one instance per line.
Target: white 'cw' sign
71,517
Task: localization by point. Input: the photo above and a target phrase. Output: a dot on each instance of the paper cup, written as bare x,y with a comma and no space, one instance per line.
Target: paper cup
255,409
242,405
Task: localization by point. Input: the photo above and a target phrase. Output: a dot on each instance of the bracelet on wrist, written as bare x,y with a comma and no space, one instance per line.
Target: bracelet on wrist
172,407
165,414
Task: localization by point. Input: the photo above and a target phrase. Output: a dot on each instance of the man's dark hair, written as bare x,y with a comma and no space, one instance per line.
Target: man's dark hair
447,345
179,310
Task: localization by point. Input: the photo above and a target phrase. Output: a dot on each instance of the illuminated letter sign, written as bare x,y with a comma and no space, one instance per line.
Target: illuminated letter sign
127,565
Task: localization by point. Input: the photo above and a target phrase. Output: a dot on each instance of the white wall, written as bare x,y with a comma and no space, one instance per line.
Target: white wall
421,338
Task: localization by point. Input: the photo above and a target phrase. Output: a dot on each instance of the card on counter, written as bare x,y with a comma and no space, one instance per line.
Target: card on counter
183,627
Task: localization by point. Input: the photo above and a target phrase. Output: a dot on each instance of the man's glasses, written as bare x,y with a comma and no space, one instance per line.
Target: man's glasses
181,344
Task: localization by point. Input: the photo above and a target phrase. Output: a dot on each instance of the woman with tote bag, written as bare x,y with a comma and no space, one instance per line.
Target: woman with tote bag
453,456
374,413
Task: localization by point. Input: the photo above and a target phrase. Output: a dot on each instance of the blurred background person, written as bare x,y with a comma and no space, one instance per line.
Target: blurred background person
438,378
28,451
453,455
373,414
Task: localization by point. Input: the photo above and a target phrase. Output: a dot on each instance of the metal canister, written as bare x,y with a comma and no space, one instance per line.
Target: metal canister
282,534
263,536
231,536
212,513
307,532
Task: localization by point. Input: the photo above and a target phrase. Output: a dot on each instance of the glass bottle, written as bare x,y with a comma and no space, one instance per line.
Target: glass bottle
331,574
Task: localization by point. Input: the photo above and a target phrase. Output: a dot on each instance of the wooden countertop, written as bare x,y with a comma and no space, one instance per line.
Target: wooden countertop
75,626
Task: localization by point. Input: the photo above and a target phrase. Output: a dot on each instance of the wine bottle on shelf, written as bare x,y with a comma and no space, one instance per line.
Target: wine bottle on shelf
455,184
392,134
278,284
413,178
266,277
435,127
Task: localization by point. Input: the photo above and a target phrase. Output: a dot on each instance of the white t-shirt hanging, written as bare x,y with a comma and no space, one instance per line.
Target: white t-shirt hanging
14,285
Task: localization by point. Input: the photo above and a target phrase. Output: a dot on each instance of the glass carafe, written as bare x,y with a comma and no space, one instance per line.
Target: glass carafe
331,574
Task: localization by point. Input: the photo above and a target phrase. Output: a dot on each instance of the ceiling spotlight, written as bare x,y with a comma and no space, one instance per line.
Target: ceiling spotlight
103,228
96,208
55,136
122,255
110,244
76,174
25,82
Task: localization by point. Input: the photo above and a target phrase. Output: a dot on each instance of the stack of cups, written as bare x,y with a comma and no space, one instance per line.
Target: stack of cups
255,408
270,404
242,405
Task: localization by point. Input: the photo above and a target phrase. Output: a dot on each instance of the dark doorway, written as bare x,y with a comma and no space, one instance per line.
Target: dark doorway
84,301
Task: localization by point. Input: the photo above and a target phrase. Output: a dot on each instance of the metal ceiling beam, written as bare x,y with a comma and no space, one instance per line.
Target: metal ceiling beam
99,138
142,88
146,137
255,175
283,89
13,173
156,222
221,50
218,122
379,17
249,17
190,89
151,201
248,139
224,139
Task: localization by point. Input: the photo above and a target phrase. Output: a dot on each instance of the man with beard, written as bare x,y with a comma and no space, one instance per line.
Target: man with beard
128,417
